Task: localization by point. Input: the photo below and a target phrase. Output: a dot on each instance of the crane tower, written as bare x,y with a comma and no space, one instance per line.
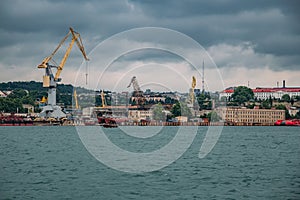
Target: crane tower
50,79
192,94
137,93
137,90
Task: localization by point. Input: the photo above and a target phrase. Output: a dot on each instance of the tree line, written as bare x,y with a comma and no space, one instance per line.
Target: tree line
30,92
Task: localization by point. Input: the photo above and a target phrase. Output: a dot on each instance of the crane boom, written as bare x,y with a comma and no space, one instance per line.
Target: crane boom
47,59
135,84
75,37
50,80
137,93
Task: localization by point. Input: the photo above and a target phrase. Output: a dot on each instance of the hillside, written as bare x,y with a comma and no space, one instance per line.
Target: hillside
29,92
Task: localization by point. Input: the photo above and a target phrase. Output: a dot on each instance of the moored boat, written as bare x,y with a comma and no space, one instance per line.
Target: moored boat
107,122
13,120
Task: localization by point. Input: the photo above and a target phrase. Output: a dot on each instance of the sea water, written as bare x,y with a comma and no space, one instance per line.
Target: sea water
245,163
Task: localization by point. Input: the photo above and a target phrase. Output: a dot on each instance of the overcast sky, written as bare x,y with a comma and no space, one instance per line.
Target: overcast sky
255,41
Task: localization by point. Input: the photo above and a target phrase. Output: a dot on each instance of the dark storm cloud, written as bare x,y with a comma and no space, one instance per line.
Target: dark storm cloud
271,25
30,30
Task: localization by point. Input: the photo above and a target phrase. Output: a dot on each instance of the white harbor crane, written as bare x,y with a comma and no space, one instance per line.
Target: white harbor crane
137,93
135,84
50,80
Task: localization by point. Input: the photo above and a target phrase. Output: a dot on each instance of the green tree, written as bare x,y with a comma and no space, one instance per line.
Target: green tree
287,115
158,112
213,116
251,106
28,100
292,101
270,101
176,109
242,94
11,105
181,109
297,116
266,104
283,107
204,100
280,107
223,99
28,92
286,98
18,93
169,100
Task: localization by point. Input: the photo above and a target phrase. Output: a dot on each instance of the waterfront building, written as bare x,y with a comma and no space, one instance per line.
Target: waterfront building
137,115
242,115
28,107
181,119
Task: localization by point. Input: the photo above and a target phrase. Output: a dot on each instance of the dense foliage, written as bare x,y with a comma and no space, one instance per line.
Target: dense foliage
158,112
204,101
23,92
242,94
181,109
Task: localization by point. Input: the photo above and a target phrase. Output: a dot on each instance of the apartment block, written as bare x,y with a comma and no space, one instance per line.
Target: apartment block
251,116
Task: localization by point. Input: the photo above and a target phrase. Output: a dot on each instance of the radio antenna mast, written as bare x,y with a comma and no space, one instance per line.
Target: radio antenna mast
203,76
86,72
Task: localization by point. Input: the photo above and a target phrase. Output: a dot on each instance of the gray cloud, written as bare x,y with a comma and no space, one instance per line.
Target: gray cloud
31,30
271,25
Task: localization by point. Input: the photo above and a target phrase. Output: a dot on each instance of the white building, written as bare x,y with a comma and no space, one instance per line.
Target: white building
2,94
265,93
137,115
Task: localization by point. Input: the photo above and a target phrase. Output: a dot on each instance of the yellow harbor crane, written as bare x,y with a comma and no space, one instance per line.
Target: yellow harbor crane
44,100
192,94
103,99
77,107
50,80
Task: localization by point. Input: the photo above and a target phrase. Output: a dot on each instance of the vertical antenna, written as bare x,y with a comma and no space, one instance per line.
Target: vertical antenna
203,76
248,84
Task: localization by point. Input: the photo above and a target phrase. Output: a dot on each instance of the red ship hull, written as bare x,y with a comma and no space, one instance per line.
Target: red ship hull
293,122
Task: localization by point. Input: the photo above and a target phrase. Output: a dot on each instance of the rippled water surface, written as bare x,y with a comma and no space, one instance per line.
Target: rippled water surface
246,163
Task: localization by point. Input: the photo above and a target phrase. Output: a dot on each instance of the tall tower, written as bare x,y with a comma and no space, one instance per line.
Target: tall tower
203,76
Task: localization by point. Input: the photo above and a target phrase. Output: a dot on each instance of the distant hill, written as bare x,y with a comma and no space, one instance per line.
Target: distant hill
28,92
25,85
38,86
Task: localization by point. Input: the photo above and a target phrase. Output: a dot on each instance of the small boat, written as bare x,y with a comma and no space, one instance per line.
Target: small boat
107,122
90,122
110,125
